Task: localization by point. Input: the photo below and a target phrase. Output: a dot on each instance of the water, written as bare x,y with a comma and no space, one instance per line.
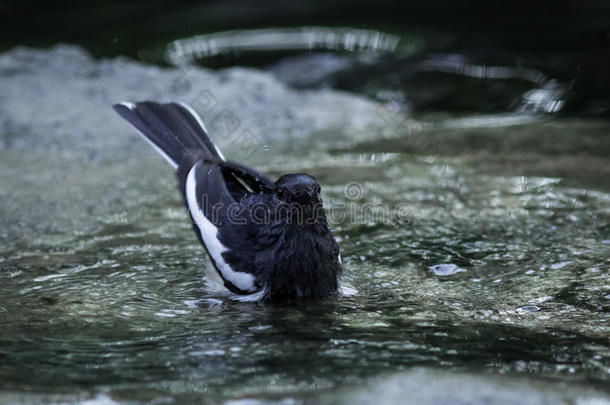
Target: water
475,275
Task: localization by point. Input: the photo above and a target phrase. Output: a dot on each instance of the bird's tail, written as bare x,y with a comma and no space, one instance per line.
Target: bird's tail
174,130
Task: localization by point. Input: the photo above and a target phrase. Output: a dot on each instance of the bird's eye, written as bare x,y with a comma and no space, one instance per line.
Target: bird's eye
283,194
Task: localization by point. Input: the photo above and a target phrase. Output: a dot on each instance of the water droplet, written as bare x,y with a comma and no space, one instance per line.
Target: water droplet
560,265
546,298
445,269
219,352
529,308
259,327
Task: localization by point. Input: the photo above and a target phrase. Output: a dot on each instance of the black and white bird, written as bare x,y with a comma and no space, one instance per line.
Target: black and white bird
266,239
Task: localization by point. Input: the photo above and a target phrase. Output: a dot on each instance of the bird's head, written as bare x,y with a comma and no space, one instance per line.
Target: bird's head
298,188
301,200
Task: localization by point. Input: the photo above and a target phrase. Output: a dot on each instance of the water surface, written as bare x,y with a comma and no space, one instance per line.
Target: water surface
479,249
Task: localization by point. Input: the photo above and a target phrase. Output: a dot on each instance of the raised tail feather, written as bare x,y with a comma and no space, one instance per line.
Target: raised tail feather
174,130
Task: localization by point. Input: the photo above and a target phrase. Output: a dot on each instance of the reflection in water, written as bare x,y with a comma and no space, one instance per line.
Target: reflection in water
545,94
459,65
183,51
546,97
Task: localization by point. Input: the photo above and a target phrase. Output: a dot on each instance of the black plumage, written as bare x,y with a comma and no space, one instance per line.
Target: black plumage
266,239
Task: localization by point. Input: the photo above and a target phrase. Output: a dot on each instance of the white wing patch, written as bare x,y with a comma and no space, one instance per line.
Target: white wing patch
209,232
196,116
257,296
132,106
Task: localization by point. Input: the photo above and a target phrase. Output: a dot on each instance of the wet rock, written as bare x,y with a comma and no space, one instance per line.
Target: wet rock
60,99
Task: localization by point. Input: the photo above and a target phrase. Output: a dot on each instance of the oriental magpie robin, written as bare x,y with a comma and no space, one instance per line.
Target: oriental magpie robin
266,239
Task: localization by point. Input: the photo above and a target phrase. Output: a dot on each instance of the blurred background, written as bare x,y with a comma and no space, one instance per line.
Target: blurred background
463,150
566,44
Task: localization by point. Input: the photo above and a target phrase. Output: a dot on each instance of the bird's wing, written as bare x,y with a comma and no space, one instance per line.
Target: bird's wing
246,179
249,179
210,184
208,200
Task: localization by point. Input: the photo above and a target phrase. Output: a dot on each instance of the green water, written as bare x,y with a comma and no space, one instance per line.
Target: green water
101,277
102,289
